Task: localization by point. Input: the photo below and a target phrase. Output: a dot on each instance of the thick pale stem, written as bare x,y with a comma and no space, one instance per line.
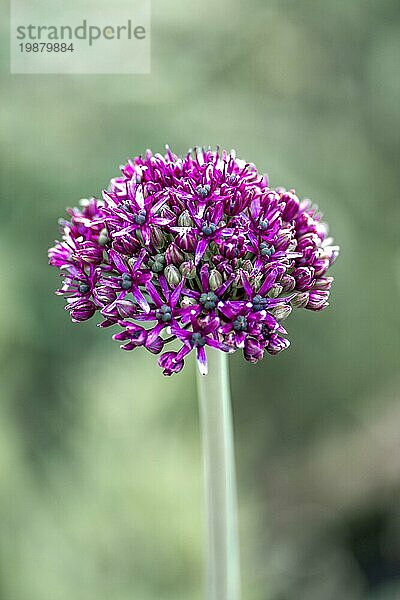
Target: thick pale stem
223,572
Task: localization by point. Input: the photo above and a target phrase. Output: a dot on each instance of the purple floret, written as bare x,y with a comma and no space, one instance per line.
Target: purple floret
199,251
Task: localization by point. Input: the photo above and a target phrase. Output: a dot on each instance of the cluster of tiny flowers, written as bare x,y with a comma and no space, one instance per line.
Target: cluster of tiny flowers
196,251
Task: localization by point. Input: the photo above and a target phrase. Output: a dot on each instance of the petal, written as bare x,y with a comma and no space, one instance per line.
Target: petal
232,308
125,231
161,221
180,333
118,262
138,263
154,333
139,197
255,207
217,213
202,361
239,339
164,286
182,230
157,205
246,284
268,282
146,234
141,300
200,250
204,277
222,288
184,351
219,345
211,326
150,316
176,294
154,295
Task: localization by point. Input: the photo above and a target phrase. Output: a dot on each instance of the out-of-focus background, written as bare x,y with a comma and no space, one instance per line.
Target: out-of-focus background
100,465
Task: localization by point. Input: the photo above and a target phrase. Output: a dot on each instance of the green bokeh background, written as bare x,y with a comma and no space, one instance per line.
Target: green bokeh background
100,464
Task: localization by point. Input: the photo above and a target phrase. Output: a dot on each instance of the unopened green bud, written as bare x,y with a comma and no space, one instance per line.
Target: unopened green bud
237,282
281,312
215,279
103,237
247,266
186,301
275,290
174,254
157,237
301,300
288,283
172,275
324,283
156,263
188,269
185,220
139,236
257,281
209,253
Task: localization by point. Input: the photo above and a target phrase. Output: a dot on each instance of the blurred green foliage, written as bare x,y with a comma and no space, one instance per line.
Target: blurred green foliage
100,469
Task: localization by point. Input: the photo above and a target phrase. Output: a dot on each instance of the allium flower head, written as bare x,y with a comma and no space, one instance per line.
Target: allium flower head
199,251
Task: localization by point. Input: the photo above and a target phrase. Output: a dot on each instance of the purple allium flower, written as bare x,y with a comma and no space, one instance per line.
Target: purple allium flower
199,251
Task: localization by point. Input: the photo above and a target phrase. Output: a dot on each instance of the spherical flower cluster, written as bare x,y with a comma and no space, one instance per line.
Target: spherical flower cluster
199,251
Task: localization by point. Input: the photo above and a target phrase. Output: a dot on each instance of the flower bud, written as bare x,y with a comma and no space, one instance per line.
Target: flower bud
172,275
300,300
173,255
281,312
237,282
331,253
304,278
186,241
169,363
81,310
283,239
292,205
185,220
288,283
246,265
186,301
276,344
133,336
324,283
208,254
104,294
188,269
275,290
156,263
103,237
90,252
215,279
318,299
257,281
129,245
253,351
126,309
155,346
139,236
157,237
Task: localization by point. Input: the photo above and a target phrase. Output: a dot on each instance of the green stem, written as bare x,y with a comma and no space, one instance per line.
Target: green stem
223,572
